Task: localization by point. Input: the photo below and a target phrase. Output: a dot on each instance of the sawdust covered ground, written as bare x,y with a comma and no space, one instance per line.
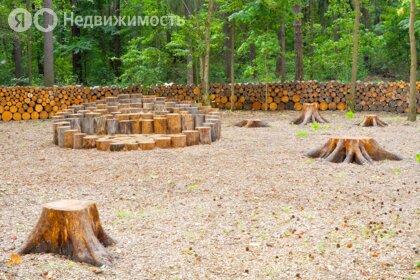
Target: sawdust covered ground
250,206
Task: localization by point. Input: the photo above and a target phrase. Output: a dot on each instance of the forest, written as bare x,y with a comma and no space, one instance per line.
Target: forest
238,40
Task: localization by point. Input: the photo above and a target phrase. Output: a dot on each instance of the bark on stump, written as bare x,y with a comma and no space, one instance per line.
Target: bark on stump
205,134
251,124
61,131
188,121
78,140
71,228
135,126
147,126
179,141
116,147
310,114
174,123
147,145
103,144
160,125
125,127
372,120
163,142
193,137
360,150
112,126
89,142
69,138
56,125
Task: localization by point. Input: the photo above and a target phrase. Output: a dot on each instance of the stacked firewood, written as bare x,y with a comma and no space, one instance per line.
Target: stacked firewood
384,96
25,103
132,122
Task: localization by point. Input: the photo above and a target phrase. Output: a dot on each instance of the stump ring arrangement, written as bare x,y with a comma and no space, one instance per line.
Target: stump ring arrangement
135,122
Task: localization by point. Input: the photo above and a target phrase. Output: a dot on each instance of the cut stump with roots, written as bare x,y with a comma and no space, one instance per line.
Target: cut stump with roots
71,228
360,150
372,120
310,114
252,124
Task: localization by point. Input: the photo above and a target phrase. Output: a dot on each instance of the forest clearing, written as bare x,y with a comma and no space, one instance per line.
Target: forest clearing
209,139
249,207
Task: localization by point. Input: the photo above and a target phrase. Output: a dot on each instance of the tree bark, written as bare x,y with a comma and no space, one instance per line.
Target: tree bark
28,46
117,43
76,56
190,61
412,115
311,37
281,59
232,66
227,30
17,56
207,56
252,57
48,48
352,96
298,41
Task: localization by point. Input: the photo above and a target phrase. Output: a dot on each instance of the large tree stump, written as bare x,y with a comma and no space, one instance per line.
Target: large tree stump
78,140
179,141
174,123
192,137
360,150
251,123
310,114
205,134
71,228
163,142
160,125
147,126
372,120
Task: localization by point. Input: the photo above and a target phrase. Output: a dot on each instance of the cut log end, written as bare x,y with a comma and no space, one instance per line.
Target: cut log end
373,120
71,228
252,124
309,114
360,150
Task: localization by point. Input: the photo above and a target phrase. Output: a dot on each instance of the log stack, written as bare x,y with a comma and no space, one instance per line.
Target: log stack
24,103
384,96
133,121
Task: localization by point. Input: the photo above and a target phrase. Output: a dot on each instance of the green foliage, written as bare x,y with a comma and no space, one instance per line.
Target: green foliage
315,126
302,134
350,115
418,158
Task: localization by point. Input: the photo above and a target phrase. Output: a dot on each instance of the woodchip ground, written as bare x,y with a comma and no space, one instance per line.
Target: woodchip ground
250,206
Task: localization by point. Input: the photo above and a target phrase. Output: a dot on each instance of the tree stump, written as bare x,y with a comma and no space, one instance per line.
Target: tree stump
125,127
179,141
69,138
160,125
78,140
188,121
57,125
163,142
71,228
310,114
372,120
112,126
193,137
199,120
61,131
360,150
205,134
251,123
147,145
116,147
174,123
147,126
135,126
100,125
103,144
88,123
89,141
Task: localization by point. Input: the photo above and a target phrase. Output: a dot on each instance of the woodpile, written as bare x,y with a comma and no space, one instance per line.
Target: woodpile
71,228
360,150
24,103
373,120
384,96
135,122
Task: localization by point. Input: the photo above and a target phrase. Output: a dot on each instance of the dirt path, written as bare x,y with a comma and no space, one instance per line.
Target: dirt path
250,206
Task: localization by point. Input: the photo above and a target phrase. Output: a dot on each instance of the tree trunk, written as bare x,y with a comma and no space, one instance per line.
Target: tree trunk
413,69
232,66
298,42
252,57
311,37
28,46
117,43
17,56
190,63
76,56
352,97
207,56
281,59
227,30
335,32
48,48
